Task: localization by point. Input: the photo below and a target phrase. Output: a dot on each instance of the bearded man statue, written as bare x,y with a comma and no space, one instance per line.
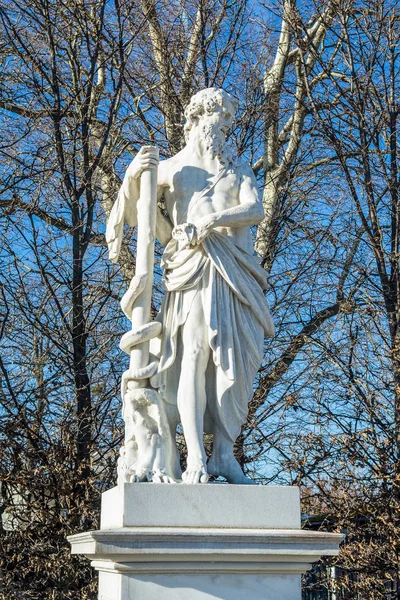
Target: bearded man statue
214,314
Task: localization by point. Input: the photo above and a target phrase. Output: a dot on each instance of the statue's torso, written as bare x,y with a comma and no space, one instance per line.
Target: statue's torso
183,180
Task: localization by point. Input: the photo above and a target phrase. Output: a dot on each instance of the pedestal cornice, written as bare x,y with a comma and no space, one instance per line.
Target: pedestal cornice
150,549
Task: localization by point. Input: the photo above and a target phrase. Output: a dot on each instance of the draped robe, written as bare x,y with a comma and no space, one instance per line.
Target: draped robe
231,285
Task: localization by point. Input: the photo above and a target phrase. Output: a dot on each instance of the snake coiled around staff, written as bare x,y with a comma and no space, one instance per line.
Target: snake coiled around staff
142,334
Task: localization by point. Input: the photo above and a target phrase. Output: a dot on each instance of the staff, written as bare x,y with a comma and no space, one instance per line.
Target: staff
146,230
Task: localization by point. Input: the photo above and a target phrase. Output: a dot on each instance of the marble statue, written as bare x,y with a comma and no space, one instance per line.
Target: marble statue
196,362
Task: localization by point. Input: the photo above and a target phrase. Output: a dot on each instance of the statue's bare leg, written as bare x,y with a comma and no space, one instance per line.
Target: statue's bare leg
192,391
170,395
173,420
223,463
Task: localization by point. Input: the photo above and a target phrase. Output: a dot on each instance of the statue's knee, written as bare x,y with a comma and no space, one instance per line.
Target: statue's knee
196,353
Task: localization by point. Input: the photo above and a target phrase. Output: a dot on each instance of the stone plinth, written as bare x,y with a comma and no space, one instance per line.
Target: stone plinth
178,542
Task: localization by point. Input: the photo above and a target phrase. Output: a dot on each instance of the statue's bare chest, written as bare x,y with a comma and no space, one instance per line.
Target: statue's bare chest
196,192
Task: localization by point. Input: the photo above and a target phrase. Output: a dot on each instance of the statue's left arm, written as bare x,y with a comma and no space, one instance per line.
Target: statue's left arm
249,210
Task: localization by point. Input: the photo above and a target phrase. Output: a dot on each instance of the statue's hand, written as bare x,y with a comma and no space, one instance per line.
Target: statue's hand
185,234
190,234
146,158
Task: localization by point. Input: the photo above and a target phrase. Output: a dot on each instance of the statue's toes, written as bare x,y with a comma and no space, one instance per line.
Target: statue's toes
157,478
139,476
186,476
195,476
167,479
204,477
161,477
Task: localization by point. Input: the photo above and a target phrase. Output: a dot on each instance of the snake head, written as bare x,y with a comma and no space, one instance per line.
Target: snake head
136,287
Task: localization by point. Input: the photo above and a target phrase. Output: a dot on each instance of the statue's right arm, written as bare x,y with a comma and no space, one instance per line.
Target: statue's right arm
124,209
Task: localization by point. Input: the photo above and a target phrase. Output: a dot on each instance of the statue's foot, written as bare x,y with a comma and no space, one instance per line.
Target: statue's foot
160,476
229,468
195,473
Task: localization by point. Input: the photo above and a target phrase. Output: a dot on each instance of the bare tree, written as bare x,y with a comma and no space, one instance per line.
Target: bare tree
346,448
83,86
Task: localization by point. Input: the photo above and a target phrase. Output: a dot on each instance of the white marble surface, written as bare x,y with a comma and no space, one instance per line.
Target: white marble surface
168,563
228,542
214,505
214,315
195,365
202,549
201,587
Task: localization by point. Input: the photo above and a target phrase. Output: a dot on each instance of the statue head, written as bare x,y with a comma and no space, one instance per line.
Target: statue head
209,116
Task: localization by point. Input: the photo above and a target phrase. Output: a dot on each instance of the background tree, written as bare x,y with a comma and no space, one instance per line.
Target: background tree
356,108
83,86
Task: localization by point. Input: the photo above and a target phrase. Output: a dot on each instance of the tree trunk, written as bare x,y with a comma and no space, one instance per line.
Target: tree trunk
81,378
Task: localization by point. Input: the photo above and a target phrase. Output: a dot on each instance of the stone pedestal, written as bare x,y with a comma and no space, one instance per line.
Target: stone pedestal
183,542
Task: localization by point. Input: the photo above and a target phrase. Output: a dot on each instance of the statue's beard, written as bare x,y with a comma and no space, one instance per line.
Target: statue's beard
214,142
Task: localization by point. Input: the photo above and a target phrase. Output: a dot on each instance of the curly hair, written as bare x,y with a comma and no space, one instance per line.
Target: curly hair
205,102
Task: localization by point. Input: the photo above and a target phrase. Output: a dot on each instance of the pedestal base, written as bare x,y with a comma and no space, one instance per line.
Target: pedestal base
200,587
178,542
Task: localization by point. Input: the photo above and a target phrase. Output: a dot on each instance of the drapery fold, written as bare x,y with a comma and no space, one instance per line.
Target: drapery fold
231,285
